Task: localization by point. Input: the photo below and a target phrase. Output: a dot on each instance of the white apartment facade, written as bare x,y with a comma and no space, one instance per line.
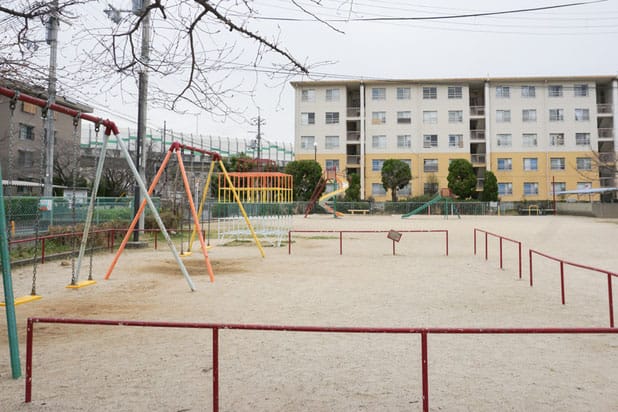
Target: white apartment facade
536,134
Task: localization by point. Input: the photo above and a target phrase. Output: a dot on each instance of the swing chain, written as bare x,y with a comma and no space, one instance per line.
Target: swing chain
74,161
37,221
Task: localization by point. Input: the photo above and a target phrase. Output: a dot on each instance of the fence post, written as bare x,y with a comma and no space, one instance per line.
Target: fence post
500,252
289,242
530,260
474,241
562,280
519,243
425,372
341,242
485,245
447,243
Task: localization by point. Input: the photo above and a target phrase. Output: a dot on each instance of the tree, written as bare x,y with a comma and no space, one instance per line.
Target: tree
116,182
395,175
461,178
490,187
352,194
306,175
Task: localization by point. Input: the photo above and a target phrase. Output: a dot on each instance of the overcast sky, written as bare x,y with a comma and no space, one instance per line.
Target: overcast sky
577,40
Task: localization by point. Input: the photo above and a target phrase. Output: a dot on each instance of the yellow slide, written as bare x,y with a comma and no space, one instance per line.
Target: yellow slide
342,185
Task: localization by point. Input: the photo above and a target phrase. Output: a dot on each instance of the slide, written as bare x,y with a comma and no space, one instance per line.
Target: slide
342,185
419,209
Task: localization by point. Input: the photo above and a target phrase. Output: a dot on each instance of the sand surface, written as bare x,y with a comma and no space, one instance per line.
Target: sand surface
102,368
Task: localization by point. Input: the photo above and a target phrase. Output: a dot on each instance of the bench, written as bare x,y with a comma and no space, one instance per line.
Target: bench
355,211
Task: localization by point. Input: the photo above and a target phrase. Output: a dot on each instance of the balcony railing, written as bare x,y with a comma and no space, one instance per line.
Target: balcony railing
607,182
477,110
480,182
477,134
606,133
353,136
607,157
477,158
353,111
604,108
353,160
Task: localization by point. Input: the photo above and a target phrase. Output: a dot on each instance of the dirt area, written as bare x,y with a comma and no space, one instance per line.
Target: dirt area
111,368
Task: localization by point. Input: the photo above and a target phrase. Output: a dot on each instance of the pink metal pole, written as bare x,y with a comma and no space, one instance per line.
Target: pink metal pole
289,242
500,252
519,243
562,280
485,245
215,369
29,336
475,242
446,233
611,300
425,372
530,259
340,242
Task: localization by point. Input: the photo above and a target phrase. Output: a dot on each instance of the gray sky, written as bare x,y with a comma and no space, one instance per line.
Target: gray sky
578,40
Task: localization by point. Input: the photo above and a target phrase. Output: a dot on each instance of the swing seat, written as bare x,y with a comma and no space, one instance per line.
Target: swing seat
24,299
82,284
187,253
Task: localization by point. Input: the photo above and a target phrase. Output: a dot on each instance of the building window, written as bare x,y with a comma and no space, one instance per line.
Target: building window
503,116
376,165
584,163
378,93
505,189
377,189
503,91
404,117
558,187
430,93
308,95
556,115
556,139
307,118
430,117
505,163
557,163
408,162
430,140
403,93
528,115
406,190
582,115
332,164
430,165
504,140
455,140
455,116
528,91
582,139
531,188
378,142
28,107
530,164
580,90
26,132
25,158
332,117
378,117
331,142
584,185
554,91
529,140
455,92
404,141
307,142
332,95
430,188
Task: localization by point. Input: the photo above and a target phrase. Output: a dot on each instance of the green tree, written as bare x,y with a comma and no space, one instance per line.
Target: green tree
461,178
490,188
352,194
395,175
305,174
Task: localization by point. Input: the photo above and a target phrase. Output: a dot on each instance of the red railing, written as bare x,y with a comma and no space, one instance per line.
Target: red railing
562,288
424,332
501,238
341,232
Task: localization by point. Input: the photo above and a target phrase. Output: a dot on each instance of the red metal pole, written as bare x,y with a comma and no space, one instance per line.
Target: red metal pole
341,242
553,183
289,242
42,250
29,337
474,241
611,300
156,239
562,280
519,243
215,369
425,373
447,242
530,259
393,248
500,252
485,245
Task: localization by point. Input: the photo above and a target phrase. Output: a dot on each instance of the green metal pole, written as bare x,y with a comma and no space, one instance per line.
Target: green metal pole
8,290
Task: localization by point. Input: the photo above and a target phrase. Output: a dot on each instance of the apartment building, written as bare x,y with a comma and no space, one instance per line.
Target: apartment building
536,134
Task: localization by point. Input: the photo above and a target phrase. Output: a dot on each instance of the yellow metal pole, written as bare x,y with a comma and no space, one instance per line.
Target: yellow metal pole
242,209
201,207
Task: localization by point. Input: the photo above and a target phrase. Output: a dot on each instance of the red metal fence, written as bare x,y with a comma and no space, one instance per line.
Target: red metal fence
501,239
423,332
563,263
341,232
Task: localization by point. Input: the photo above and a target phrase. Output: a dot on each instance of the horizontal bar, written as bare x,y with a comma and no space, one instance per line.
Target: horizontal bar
574,264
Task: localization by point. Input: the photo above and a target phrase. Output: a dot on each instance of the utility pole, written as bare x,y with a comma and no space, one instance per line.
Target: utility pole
52,41
259,121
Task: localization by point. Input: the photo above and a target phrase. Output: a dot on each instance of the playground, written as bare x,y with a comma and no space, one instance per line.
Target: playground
364,284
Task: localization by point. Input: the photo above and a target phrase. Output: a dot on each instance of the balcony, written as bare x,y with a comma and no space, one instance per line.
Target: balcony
353,112
477,134
353,160
606,133
477,110
477,158
480,182
607,182
605,108
353,136
607,157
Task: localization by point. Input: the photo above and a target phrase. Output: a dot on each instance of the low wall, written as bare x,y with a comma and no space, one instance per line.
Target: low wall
594,209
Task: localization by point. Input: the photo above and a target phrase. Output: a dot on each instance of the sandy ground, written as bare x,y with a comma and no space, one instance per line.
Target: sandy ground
96,368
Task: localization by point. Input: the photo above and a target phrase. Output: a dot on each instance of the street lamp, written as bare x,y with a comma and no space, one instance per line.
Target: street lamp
315,152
